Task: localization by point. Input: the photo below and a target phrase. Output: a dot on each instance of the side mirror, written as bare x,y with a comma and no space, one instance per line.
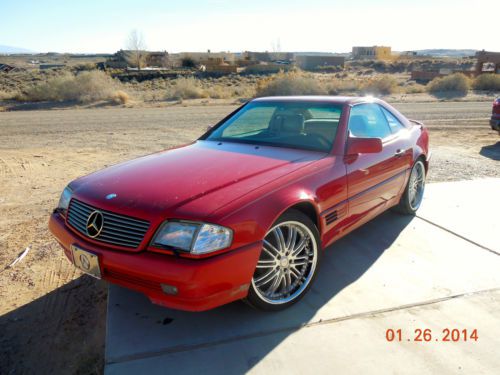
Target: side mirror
357,145
209,127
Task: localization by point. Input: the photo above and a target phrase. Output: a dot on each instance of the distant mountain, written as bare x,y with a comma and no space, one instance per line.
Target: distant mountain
447,52
12,50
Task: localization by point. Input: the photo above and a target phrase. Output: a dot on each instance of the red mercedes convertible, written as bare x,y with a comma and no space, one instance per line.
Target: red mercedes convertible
245,211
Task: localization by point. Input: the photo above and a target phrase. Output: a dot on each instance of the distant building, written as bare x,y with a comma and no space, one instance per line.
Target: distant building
200,57
372,53
311,62
267,56
158,59
487,62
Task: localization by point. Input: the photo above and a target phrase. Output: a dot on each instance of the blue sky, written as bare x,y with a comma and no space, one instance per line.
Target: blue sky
221,25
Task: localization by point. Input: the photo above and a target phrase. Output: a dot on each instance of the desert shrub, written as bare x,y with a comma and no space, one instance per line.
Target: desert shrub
415,88
342,86
186,88
8,95
244,91
85,67
454,85
487,81
220,92
381,85
84,87
120,97
290,83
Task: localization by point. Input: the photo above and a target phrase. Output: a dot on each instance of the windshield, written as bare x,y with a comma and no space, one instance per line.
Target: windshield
305,125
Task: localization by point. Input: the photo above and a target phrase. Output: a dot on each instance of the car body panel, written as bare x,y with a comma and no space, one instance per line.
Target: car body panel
245,188
495,116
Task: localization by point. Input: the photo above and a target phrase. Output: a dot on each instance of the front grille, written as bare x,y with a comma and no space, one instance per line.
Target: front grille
117,229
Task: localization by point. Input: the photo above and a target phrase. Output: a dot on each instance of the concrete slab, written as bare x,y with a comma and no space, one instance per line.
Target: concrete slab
391,263
468,208
351,346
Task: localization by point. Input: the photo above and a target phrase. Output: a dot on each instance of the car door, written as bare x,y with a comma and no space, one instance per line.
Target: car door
373,179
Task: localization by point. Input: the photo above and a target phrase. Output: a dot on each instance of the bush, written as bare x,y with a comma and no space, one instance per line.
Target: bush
290,83
487,81
85,87
186,88
381,85
414,88
347,86
121,97
8,95
454,85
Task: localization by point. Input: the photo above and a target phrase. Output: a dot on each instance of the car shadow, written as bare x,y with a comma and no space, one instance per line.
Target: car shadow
491,151
60,332
171,331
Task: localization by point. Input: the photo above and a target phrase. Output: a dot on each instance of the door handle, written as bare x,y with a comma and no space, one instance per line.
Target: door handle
399,153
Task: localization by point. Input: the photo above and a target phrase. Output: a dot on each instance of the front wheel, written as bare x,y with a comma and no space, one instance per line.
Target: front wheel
414,191
288,263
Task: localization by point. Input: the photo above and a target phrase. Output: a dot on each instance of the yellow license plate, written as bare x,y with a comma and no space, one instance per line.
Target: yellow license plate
86,261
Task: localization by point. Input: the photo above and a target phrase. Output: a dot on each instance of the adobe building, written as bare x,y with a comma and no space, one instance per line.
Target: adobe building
372,53
311,62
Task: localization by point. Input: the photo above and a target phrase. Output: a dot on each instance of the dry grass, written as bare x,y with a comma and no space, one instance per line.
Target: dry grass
415,88
121,97
489,82
8,95
454,85
343,86
85,87
186,88
290,83
381,85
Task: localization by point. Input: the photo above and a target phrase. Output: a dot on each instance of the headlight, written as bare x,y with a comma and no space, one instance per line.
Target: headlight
64,200
197,238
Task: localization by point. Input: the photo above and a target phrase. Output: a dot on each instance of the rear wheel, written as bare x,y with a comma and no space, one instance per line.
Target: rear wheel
414,191
288,263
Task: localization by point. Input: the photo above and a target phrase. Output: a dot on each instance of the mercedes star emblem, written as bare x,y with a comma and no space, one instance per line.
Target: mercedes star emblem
95,222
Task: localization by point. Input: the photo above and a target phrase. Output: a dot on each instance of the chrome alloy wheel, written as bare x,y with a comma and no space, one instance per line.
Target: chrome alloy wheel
287,263
416,185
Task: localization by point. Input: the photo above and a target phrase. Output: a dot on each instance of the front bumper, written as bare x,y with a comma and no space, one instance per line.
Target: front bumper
202,284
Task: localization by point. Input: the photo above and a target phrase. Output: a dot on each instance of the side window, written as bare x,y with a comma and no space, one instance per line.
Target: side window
368,121
394,123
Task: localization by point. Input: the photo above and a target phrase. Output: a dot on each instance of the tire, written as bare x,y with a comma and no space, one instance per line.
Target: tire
288,263
414,191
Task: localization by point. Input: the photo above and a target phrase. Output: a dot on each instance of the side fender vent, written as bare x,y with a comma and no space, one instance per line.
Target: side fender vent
331,217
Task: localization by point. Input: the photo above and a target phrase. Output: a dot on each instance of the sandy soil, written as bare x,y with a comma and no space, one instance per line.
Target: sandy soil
52,319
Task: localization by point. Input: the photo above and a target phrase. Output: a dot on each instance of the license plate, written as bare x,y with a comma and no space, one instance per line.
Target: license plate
86,261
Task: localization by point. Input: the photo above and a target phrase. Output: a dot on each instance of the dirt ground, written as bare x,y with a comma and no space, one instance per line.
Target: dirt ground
52,319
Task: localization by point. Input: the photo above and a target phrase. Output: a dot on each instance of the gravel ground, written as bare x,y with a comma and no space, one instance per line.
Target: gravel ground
46,303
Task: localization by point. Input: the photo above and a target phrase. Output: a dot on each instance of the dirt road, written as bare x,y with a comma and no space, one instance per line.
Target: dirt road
51,317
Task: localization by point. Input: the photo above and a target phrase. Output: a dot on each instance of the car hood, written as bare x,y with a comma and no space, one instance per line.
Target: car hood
163,183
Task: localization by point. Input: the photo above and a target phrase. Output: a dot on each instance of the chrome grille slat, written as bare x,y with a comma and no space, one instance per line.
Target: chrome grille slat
117,229
121,217
122,229
105,238
120,235
117,222
80,216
